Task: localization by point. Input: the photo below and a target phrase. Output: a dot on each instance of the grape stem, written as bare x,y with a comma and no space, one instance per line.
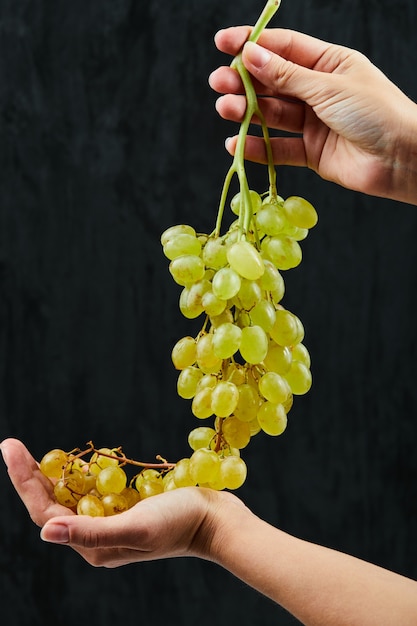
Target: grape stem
161,465
252,109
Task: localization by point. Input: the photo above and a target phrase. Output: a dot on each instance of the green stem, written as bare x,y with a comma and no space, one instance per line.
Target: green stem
252,108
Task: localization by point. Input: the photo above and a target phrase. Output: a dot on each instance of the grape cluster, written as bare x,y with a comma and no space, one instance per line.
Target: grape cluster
99,486
248,360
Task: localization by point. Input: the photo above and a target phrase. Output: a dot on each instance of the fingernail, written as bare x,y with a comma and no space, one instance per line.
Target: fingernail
55,533
227,142
257,55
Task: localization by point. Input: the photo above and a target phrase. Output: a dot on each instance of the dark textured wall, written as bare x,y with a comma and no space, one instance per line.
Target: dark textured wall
108,135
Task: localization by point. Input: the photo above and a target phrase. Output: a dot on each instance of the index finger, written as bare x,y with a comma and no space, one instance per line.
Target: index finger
292,45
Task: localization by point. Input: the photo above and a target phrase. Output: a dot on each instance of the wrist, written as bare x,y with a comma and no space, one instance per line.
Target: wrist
404,161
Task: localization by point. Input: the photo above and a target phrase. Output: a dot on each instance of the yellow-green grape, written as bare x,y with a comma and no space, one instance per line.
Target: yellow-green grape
278,358
180,244
149,488
253,344
286,329
212,305
89,481
274,388
263,315
300,212
226,283
299,234
65,494
224,398
207,360
196,293
90,505
186,309
255,200
98,461
249,294
184,353
245,259
232,472
201,437
204,466
207,381
214,253
236,433
236,373
187,382
132,496
54,463
201,404
284,252
271,219
300,353
248,403
174,231
181,474
226,340
271,279
111,480
223,318
299,378
187,269
114,503
272,418
168,481
254,427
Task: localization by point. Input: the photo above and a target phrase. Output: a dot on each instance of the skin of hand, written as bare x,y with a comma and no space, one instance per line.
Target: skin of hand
321,587
172,524
350,123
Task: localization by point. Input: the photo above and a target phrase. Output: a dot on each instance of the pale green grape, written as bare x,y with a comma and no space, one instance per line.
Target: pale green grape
226,283
114,503
181,474
201,404
187,269
149,488
263,315
232,472
224,398
201,437
248,403
207,360
214,253
236,433
284,252
299,378
300,212
98,461
255,200
174,231
188,307
285,330
271,219
168,481
226,340
253,344
111,480
272,418
249,294
204,466
245,259
223,318
180,244
90,505
300,353
278,358
132,496
184,353
213,305
271,279
274,388
187,382
54,463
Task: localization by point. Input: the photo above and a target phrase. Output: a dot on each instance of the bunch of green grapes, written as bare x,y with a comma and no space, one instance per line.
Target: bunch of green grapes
248,360
99,486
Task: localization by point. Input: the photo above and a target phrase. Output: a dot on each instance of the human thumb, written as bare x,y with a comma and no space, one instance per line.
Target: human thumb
84,531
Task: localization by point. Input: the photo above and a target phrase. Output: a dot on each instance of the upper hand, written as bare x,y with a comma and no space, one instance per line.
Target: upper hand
351,124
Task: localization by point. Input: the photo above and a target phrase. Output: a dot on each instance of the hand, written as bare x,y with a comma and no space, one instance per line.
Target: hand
177,523
357,128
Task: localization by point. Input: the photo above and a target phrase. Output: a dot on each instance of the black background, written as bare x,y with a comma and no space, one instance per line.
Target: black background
108,135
